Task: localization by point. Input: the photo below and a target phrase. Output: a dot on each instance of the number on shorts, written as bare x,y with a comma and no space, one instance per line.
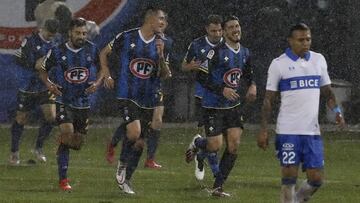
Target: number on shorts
288,157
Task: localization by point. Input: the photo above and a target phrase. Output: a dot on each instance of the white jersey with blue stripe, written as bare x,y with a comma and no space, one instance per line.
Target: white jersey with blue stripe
298,80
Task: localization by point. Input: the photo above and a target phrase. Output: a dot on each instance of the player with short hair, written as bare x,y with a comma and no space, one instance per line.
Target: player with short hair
75,76
32,92
228,64
301,76
142,63
152,135
195,56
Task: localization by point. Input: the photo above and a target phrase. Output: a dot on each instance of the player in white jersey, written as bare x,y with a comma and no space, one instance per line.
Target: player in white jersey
300,75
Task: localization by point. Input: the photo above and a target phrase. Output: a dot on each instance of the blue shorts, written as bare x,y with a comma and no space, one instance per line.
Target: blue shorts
296,149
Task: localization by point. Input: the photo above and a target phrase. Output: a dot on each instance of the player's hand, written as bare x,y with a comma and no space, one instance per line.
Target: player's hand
251,93
230,94
340,121
159,43
92,88
54,89
193,65
109,83
263,139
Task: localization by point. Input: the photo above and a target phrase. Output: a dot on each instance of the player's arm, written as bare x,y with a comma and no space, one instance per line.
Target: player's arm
249,78
164,70
43,65
114,46
329,95
23,54
272,87
99,78
190,63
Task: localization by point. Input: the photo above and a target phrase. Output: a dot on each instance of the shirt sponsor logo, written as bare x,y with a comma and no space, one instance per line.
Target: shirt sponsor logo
232,77
142,68
76,75
303,82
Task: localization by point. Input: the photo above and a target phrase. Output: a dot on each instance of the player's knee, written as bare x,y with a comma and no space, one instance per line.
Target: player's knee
139,144
288,180
232,149
156,123
214,145
50,118
21,118
133,134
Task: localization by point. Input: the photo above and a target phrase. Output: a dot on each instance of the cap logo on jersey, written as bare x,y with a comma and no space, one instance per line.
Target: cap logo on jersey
76,75
142,68
232,77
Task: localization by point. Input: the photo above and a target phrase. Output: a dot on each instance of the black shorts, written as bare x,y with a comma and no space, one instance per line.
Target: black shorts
216,121
27,101
130,112
199,112
78,117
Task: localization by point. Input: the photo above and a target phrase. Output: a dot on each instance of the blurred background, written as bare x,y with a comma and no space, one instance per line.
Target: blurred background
335,28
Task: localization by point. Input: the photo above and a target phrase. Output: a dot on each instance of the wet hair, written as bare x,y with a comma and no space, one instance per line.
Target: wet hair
214,19
299,26
152,10
77,22
51,25
229,18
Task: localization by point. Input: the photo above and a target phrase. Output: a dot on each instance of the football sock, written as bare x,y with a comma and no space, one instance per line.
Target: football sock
126,150
118,134
287,193
152,141
44,132
16,132
227,163
307,189
133,161
213,162
201,143
63,160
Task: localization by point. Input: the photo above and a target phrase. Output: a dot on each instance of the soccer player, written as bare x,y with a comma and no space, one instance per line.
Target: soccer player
142,63
195,56
75,67
301,76
152,135
32,91
228,64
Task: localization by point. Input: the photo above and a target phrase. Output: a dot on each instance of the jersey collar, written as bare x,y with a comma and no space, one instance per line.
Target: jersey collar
233,50
143,39
212,44
295,57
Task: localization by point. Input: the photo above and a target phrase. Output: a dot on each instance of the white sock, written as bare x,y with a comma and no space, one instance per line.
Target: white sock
305,192
287,194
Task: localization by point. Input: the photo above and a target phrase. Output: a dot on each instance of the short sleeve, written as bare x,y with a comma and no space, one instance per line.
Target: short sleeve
117,43
325,79
273,77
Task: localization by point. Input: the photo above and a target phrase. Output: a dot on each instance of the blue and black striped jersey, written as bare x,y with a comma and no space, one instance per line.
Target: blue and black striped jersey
227,67
137,67
32,48
198,50
74,71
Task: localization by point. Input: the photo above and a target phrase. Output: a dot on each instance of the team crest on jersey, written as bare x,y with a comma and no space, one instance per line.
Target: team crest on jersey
142,68
76,75
232,77
210,54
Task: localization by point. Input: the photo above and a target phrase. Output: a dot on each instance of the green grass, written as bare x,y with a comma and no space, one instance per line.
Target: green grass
255,177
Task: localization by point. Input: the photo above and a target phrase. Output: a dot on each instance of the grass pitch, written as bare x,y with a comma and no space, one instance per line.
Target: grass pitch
255,177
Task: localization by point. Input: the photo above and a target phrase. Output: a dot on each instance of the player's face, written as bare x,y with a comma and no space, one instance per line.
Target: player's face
78,36
158,22
300,42
214,32
232,31
48,35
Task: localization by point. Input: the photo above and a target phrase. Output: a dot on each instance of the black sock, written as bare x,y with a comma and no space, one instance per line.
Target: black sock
126,150
227,163
152,142
118,134
133,161
44,132
16,132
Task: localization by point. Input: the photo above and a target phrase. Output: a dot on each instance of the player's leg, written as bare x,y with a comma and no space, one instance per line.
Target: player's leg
119,133
49,113
17,128
313,165
288,148
130,114
152,137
